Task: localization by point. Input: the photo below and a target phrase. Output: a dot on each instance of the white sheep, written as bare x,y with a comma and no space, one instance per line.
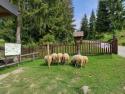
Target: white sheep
59,57
65,58
48,60
85,60
79,60
54,58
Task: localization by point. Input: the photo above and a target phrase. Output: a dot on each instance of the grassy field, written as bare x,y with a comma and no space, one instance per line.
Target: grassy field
103,74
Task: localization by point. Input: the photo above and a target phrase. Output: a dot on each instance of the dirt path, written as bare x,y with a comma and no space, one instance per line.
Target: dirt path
19,70
121,51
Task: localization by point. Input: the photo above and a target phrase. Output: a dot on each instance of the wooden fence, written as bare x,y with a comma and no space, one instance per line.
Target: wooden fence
86,47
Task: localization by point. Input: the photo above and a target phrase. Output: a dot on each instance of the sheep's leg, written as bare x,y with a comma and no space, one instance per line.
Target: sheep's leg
64,62
76,64
49,64
81,64
85,62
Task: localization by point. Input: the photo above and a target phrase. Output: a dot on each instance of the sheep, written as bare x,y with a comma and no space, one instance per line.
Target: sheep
48,60
59,57
54,58
85,60
74,59
79,60
65,58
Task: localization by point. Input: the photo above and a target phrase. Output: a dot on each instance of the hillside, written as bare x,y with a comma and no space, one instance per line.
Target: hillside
119,34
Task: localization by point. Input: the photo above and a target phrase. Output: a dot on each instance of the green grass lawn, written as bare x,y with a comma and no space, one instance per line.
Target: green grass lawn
103,74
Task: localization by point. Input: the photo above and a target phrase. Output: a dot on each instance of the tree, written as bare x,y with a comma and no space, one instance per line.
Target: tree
103,22
92,24
42,17
8,29
64,21
84,26
116,10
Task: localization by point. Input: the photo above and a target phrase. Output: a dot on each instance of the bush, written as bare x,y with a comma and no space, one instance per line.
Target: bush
2,42
123,44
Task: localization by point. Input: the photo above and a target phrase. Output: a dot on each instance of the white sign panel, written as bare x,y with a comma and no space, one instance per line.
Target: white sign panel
12,49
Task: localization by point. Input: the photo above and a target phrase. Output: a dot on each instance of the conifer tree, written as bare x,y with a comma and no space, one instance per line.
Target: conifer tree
92,23
103,21
116,10
84,26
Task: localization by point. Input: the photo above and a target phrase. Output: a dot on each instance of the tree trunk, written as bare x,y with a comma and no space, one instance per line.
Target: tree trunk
18,38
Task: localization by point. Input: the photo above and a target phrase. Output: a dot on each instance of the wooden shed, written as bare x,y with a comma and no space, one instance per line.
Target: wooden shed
8,9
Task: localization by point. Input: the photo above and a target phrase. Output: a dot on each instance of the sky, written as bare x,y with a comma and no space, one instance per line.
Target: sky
82,7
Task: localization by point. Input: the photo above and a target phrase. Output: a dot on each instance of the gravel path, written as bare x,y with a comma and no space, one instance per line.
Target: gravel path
121,51
13,72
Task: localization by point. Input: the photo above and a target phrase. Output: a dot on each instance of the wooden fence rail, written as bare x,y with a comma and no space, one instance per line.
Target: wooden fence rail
86,47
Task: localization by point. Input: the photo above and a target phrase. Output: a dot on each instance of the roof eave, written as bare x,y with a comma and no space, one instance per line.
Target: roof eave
12,9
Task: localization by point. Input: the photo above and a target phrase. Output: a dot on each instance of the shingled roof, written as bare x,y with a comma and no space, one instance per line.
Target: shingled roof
6,8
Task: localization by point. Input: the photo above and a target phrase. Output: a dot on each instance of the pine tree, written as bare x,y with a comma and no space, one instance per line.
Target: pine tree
92,23
103,21
116,10
42,17
64,20
84,26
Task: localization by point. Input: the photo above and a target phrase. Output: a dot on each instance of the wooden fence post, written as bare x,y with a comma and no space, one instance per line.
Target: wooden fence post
78,48
114,45
48,49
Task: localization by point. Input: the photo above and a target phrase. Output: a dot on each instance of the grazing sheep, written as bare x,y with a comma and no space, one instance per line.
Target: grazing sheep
74,59
85,59
65,58
48,59
54,58
59,57
79,60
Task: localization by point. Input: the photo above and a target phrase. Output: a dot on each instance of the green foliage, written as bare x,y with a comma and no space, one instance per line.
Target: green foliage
117,13
103,21
84,26
118,33
47,39
8,29
92,24
42,17
2,42
110,15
